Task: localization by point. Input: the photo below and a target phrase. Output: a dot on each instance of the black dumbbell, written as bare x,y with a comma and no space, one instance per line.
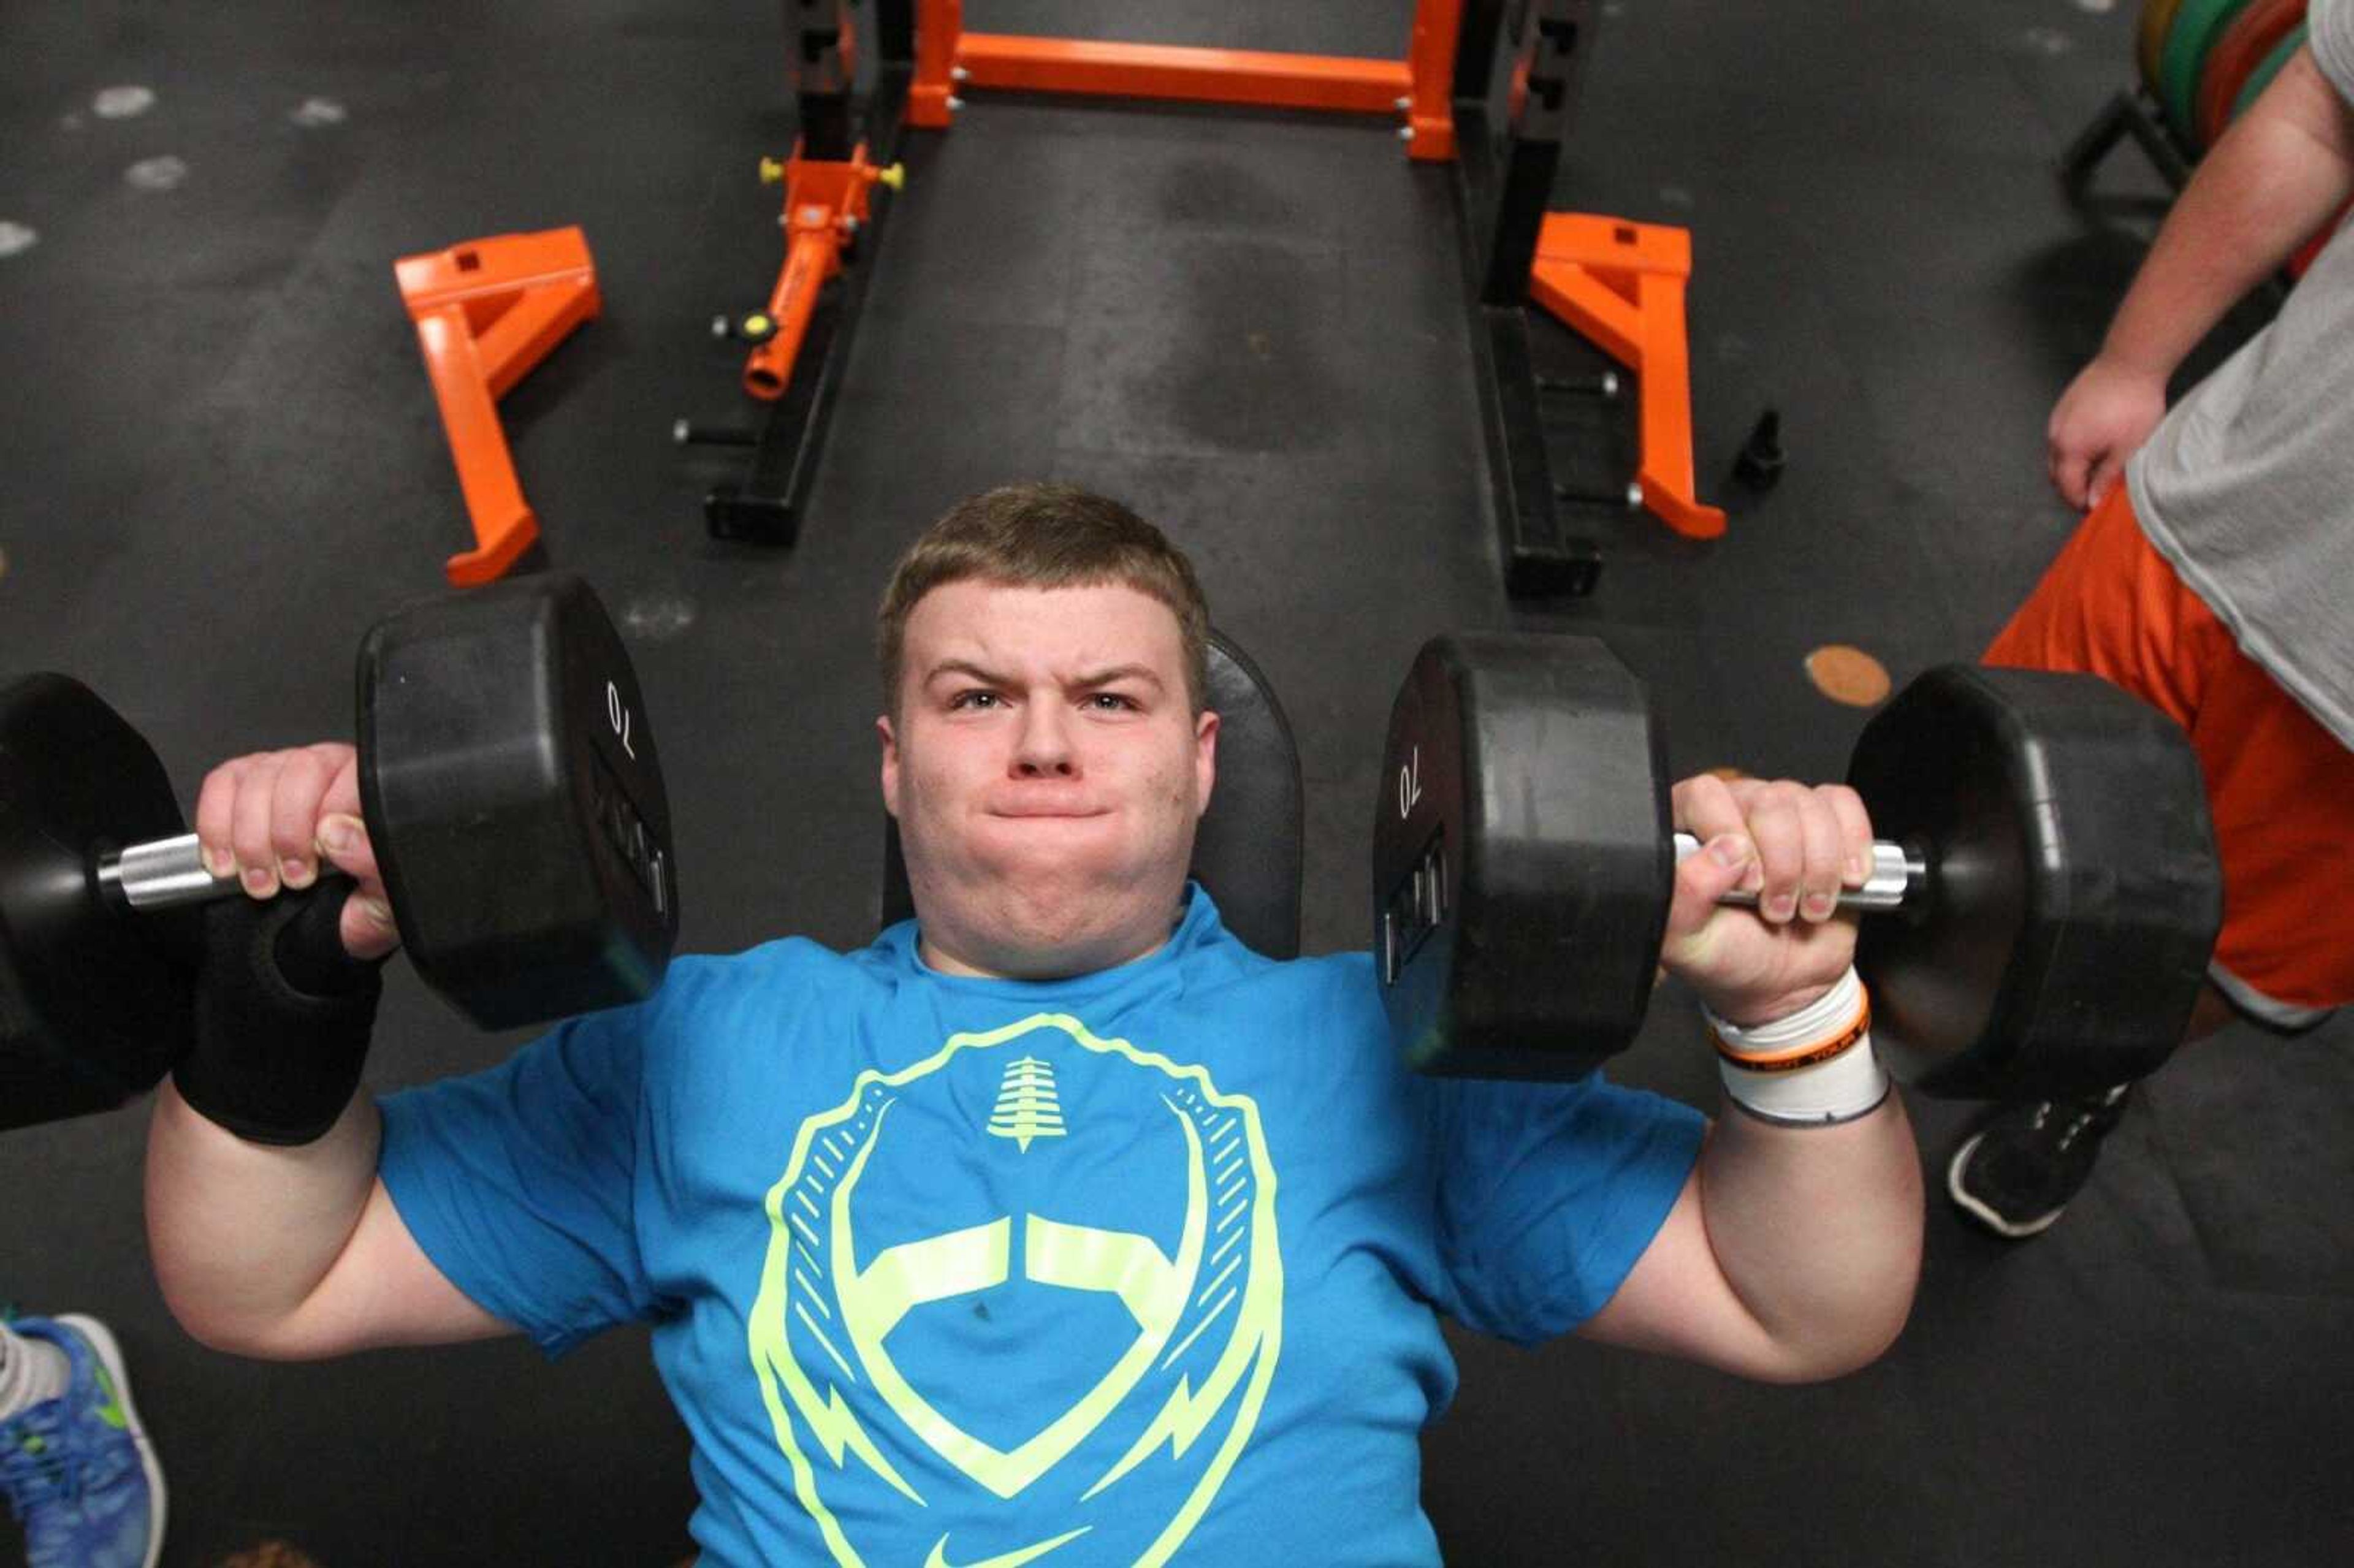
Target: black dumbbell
2047,870
513,797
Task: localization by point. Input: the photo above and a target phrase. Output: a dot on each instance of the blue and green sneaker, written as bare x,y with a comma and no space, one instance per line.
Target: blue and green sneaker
77,1470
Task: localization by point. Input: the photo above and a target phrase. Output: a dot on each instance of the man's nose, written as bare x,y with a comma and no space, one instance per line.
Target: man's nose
1045,748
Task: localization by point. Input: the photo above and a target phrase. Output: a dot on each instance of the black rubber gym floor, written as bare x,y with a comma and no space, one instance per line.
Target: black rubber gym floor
220,462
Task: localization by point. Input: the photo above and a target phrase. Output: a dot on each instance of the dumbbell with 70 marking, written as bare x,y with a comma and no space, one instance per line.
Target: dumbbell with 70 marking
512,793
2042,903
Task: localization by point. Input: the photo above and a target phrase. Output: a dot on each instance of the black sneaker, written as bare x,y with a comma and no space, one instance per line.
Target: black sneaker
2019,1171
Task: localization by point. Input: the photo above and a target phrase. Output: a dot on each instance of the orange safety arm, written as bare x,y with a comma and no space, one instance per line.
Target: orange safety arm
486,311
1420,86
1621,285
1179,71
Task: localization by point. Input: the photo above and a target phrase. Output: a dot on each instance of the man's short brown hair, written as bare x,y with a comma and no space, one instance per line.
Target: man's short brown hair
1045,537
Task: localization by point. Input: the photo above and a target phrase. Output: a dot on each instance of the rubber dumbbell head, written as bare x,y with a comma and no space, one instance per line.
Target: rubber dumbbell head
515,801
94,1004
1522,866
2072,893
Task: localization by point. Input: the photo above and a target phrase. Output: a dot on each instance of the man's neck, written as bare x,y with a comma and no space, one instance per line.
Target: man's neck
1046,965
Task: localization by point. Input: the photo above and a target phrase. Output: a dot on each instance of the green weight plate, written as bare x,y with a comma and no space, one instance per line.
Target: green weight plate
2196,28
2262,76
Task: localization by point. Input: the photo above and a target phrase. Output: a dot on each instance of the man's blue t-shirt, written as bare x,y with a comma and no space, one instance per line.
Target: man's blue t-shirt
1134,1268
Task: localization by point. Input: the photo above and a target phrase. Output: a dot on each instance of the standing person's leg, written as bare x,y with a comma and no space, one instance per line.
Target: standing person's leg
75,1464
2281,791
2280,788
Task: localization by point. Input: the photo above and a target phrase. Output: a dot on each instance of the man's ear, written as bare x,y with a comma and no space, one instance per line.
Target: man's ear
1206,757
890,764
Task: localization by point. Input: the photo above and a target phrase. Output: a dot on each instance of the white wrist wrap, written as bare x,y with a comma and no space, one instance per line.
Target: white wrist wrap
1813,1068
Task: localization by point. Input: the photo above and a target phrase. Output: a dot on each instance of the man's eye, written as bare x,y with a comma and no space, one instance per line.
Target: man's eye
973,700
1112,702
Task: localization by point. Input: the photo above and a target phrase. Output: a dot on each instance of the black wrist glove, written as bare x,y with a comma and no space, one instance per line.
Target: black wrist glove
283,1016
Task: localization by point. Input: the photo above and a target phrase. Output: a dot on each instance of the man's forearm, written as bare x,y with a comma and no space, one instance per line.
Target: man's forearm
242,1234
1817,1230
2266,187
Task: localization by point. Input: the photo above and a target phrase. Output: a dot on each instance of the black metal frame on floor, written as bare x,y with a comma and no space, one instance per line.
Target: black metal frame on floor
1503,184
1503,177
835,116
2135,112
2132,112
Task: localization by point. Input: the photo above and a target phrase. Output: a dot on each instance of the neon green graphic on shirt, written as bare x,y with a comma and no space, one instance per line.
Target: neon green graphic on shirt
1207,1313
940,1558
1026,1107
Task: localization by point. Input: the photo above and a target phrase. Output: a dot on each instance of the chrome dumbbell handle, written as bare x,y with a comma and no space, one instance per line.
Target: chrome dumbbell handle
162,873
1896,874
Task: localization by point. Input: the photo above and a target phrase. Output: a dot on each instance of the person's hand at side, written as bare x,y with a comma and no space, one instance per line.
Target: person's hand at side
2282,170
2102,419
273,818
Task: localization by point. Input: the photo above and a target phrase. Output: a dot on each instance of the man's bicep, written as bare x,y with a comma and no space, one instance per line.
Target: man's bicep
384,1290
1676,1300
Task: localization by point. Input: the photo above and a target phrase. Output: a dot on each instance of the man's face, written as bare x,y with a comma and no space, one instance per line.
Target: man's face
1046,770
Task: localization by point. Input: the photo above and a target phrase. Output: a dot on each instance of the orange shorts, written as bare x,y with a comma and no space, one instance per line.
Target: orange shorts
2279,785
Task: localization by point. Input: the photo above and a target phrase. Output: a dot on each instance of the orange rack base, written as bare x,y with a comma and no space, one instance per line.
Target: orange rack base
486,311
1622,286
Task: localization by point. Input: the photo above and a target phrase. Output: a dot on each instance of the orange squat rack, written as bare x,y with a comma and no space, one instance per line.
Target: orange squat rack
1621,285
949,59
486,311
